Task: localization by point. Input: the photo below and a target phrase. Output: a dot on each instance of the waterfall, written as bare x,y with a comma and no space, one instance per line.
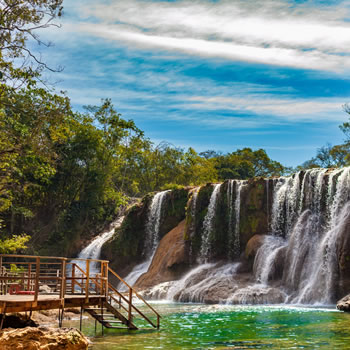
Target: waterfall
152,236
319,284
266,258
194,286
193,208
311,214
298,257
93,250
153,222
234,209
208,225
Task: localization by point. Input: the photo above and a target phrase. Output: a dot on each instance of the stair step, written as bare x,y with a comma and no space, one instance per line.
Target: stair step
110,321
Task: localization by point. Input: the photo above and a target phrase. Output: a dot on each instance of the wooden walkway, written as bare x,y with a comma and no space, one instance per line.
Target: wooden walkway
32,283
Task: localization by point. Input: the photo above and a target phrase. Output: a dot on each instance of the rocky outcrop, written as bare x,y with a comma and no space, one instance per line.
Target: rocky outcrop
170,260
253,246
344,304
43,338
343,254
258,295
127,248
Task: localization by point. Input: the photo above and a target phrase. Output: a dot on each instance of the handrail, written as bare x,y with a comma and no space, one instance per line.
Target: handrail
132,305
33,272
137,294
47,257
30,275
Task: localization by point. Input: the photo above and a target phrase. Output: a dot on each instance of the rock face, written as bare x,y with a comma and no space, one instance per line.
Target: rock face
42,338
127,248
283,239
344,304
170,260
253,245
258,295
343,254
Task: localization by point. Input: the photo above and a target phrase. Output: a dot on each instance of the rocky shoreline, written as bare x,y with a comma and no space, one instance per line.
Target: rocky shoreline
21,332
42,338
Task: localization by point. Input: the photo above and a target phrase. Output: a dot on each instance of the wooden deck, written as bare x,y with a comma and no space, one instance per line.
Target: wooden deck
32,283
19,303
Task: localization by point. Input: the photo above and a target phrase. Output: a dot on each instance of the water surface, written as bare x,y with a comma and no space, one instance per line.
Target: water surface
197,326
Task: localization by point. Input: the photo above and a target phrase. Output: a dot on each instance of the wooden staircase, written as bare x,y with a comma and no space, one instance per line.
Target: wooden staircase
110,319
101,292
118,310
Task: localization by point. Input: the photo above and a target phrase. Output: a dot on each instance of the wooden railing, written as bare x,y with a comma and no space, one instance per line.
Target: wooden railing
43,275
129,300
37,276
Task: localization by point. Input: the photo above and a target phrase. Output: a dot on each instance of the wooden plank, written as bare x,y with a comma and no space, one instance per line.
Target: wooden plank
87,279
130,305
37,275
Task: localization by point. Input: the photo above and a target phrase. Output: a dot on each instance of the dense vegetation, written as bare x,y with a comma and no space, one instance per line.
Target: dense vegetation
64,173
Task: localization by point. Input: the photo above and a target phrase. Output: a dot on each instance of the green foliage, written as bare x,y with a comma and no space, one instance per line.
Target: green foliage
246,163
19,22
13,244
63,174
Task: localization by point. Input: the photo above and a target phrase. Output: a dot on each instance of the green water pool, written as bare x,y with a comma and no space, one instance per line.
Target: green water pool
193,326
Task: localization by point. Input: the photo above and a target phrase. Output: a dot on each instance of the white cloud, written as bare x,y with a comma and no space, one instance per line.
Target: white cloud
285,109
269,32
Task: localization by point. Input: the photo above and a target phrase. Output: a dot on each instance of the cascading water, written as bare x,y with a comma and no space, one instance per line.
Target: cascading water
319,215
288,238
193,208
234,188
152,235
93,250
208,225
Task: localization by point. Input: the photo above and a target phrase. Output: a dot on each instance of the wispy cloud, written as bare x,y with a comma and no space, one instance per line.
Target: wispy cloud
287,109
267,32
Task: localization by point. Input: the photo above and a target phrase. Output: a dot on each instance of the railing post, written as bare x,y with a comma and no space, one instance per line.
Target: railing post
87,280
106,281
29,276
73,278
37,275
130,306
63,279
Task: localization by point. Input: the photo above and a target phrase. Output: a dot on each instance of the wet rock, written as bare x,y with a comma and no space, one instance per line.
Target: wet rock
343,254
43,338
170,260
158,292
344,304
253,246
258,295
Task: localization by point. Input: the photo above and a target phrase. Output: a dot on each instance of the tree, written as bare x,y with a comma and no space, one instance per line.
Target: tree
20,21
246,163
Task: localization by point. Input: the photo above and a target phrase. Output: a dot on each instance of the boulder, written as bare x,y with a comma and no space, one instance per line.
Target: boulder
253,245
170,260
258,294
43,338
344,304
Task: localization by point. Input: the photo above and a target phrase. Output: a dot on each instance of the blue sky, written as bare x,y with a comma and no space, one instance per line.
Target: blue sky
219,75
